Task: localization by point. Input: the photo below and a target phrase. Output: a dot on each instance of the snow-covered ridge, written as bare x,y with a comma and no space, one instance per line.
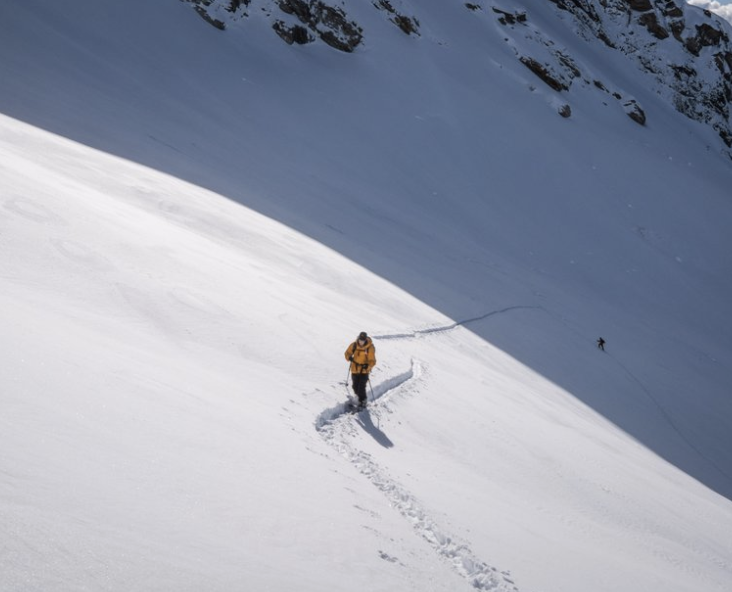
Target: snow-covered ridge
684,51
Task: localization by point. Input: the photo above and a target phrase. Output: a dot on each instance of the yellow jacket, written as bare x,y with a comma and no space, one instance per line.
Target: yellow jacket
362,354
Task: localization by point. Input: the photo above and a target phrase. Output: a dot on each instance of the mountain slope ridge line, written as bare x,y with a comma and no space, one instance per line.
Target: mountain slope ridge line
456,324
664,413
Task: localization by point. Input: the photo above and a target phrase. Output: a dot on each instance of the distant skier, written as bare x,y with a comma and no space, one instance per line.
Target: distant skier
362,355
601,344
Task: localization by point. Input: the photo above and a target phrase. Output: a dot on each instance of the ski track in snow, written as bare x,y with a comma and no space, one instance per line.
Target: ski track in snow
455,325
665,414
335,426
670,420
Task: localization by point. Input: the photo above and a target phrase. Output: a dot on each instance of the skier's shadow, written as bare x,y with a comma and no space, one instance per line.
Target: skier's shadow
364,420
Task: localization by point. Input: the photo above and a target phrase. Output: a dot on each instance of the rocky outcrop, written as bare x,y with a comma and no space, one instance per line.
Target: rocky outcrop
545,72
292,33
634,111
684,51
294,21
328,23
209,9
508,18
408,25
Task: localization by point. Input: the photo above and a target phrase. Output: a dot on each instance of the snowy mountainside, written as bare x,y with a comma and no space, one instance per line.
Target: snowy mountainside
684,52
196,223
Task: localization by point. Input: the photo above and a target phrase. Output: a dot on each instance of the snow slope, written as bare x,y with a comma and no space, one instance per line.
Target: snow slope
195,224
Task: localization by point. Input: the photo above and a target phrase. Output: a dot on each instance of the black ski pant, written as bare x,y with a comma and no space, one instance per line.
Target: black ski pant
359,386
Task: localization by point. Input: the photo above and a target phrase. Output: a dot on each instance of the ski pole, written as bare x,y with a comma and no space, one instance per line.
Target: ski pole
348,373
373,398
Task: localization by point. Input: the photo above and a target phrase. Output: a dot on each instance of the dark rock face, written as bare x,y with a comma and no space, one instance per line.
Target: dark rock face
639,5
545,73
635,112
510,18
650,21
208,9
292,34
316,19
329,24
408,25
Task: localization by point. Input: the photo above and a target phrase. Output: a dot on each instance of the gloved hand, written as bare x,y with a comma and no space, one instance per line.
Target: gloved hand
350,358
364,367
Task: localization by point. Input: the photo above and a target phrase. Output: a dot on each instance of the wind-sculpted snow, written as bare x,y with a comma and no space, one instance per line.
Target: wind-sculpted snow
335,425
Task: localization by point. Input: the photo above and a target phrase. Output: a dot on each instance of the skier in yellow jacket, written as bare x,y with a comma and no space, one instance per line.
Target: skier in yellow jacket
362,355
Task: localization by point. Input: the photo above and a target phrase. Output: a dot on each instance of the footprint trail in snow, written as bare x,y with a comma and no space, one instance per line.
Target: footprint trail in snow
335,425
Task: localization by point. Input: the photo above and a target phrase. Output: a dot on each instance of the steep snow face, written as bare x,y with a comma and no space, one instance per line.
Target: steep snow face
684,52
464,132
195,224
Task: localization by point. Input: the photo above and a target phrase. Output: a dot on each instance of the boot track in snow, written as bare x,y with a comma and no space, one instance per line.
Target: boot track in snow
335,426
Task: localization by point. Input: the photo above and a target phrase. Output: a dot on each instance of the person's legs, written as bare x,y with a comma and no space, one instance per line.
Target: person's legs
359,386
